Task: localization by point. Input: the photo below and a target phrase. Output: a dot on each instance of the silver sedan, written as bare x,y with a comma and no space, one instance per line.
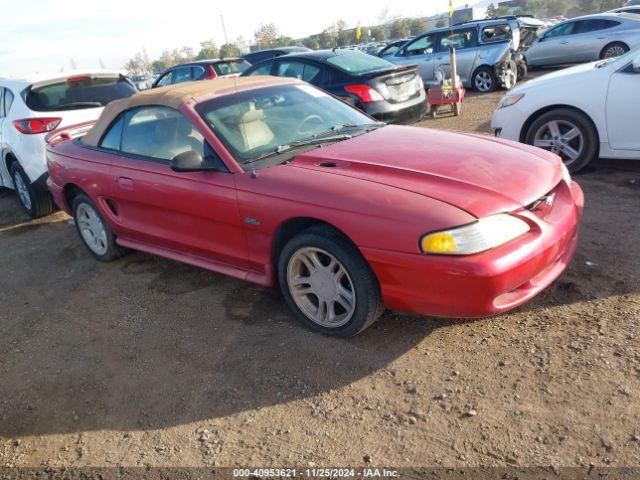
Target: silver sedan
586,39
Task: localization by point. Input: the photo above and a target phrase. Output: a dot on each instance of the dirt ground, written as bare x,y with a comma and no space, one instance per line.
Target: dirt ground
147,362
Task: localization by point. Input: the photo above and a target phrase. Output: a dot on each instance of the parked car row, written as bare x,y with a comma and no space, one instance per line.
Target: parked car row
277,182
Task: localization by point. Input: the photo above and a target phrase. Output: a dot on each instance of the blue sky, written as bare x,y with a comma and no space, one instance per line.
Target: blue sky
47,35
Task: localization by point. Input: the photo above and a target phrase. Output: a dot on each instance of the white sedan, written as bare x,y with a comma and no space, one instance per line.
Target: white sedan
579,113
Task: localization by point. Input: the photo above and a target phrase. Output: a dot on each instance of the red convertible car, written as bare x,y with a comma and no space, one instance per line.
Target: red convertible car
273,181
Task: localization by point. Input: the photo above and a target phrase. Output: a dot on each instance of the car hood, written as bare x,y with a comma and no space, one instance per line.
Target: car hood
564,74
480,175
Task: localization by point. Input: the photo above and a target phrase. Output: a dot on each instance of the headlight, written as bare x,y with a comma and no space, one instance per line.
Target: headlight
485,234
511,100
566,176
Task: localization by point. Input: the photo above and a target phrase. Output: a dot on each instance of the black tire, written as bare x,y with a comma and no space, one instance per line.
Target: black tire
523,71
368,303
619,47
113,251
584,124
40,202
490,83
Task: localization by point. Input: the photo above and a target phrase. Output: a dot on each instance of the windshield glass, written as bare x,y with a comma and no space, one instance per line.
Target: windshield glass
231,67
256,122
359,63
78,92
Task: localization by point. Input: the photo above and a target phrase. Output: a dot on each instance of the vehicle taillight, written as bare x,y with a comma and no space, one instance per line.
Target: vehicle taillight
78,78
365,93
36,125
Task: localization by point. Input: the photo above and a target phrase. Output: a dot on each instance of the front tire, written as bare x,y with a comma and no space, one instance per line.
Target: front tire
567,133
35,200
484,80
328,284
613,50
93,230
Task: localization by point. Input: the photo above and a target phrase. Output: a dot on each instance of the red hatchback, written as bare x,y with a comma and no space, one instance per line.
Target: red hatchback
274,181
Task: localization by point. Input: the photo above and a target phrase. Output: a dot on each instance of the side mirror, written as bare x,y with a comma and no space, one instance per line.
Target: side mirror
192,161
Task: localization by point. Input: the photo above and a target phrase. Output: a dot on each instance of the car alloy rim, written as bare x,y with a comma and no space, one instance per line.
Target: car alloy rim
321,287
483,81
23,191
562,138
615,51
92,229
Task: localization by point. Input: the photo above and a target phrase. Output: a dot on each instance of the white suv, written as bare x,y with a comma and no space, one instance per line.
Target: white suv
32,107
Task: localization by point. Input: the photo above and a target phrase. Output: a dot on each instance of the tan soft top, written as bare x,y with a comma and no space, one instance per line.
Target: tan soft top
173,96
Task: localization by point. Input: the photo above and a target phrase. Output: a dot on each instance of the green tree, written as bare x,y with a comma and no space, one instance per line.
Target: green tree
417,26
229,50
208,49
378,33
266,36
399,29
312,43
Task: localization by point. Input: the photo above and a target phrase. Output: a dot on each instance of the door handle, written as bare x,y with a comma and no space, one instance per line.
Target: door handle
564,42
125,183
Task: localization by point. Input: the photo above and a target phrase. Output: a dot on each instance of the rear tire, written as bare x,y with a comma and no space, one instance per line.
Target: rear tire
614,50
342,295
35,200
575,133
93,230
484,80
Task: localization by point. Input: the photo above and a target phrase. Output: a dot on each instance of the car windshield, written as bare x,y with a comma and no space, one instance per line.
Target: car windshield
78,92
230,67
256,123
358,63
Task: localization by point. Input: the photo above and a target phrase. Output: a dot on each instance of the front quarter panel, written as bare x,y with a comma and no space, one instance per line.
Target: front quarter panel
370,214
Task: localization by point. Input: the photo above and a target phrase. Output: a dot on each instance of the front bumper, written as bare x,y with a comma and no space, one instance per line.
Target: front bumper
487,283
507,122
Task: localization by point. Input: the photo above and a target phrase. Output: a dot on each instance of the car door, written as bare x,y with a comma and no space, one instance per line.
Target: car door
554,47
420,52
622,119
193,213
465,42
589,38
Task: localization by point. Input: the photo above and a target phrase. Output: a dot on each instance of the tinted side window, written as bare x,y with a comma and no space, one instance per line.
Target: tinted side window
160,133
198,72
262,69
165,79
422,46
561,30
182,74
112,138
461,39
587,26
8,101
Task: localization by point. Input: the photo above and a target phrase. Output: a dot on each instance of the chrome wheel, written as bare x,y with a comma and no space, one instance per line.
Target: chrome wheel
321,287
23,191
483,81
562,138
92,229
614,51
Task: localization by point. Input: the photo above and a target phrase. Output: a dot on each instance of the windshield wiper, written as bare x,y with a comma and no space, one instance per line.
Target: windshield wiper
280,149
345,126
